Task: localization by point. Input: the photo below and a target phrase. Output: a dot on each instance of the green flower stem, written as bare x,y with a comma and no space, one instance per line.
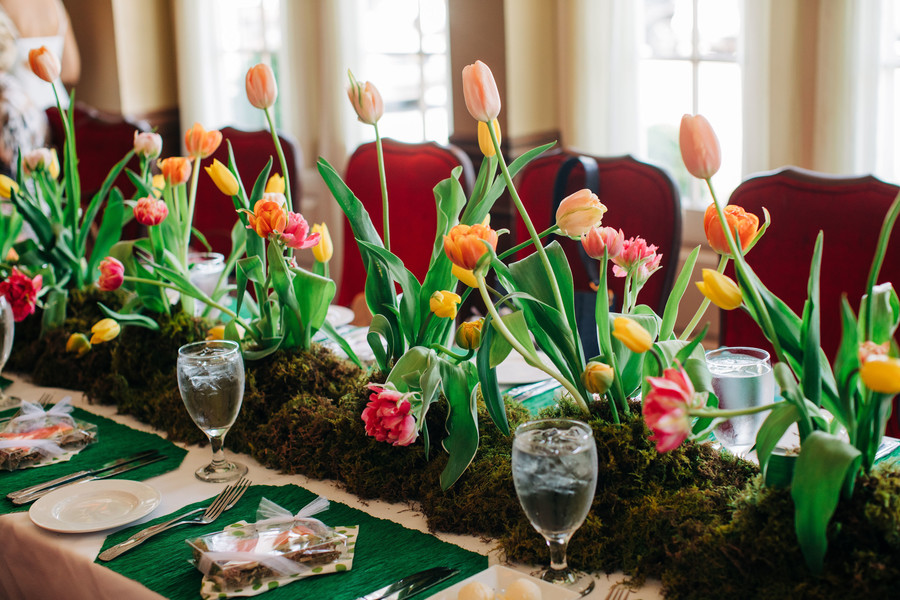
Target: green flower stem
204,299
727,414
529,356
457,357
881,248
554,285
189,216
281,160
384,193
550,230
723,261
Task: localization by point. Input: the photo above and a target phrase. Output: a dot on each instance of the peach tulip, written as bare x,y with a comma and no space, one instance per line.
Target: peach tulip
44,64
200,143
41,159
480,92
580,212
464,246
699,146
747,225
147,144
176,169
599,239
869,350
366,101
261,87
267,217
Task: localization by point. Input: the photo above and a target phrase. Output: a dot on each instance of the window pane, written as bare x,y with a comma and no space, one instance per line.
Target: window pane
405,126
718,25
720,102
668,25
433,21
390,26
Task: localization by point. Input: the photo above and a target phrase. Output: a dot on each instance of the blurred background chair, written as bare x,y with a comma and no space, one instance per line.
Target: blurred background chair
849,211
641,199
411,171
214,214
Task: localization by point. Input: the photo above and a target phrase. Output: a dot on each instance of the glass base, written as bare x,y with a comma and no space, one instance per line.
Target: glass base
221,473
571,579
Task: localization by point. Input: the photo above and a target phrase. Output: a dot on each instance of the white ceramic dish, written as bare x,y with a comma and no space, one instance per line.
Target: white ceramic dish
339,315
498,578
515,371
94,506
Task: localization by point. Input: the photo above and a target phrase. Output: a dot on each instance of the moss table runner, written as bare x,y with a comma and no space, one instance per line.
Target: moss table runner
114,440
385,551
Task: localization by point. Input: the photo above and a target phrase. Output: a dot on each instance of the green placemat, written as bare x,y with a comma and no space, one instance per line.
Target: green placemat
114,440
385,551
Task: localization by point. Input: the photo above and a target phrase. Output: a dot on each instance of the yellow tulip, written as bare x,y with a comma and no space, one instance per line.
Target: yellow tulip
159,184
12,256
484,137
104,330
632,334
324,250
881,375
464,275
468,334
275,184
8,186
216,333
78,344
444,304
720,289
597,377
53,167
223,178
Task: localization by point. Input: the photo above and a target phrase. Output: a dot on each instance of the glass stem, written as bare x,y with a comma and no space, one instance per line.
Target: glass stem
558,554
218,450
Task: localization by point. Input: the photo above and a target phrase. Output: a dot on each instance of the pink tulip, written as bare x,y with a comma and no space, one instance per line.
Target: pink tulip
147,144
387,417
637,257
21,293
600,238
667,408
480,92
366,101
580,212
699,146
149,211
112,274
261,87
296,233
44,64
40,158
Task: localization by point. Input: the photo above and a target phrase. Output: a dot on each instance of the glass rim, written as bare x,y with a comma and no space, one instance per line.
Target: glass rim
758,353
545,423
187,350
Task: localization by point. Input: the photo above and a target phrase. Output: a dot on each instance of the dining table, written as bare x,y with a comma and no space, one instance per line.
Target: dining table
36,563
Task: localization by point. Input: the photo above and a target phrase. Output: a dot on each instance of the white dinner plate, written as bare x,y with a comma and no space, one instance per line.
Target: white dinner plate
515,371
498,578
94,506
339,315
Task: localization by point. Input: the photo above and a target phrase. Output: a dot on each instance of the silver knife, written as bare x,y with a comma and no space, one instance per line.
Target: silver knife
78,475
117,471
411,585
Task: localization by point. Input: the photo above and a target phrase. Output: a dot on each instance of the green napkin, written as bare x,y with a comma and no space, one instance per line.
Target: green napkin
114,440
385,551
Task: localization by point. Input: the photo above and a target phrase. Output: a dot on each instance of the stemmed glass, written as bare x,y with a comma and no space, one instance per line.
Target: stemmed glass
554,467
741,378
211,382
7,330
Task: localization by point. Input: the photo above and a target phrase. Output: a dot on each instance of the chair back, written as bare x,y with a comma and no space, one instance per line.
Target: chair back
214,214
411,171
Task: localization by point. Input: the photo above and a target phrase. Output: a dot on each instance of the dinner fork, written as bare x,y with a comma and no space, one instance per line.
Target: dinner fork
226,499
618,591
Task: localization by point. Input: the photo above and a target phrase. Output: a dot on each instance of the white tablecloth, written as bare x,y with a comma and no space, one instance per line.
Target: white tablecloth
41,565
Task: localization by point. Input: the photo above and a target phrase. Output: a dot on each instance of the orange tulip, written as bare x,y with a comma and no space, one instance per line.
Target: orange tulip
261,87
200,143
267,217
176,169
480,92
699,146
464,246
44,64
747,224
366,100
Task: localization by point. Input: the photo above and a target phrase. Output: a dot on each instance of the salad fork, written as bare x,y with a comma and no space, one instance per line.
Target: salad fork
226,499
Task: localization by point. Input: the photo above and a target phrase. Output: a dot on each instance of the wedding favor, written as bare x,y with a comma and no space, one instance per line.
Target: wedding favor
35,436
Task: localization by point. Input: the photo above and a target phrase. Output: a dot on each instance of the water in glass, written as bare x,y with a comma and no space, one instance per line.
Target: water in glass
7,331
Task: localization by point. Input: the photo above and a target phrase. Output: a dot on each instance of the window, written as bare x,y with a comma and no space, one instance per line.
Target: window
689,64
405,53
888,161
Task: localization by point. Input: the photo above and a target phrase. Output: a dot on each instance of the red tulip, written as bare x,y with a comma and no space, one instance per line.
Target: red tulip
699,146
387,417
261,87
667,405
480,92
112,274
21,293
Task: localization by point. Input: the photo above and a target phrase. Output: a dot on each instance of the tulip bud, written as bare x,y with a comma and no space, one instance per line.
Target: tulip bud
275,184
444,304
150,211
104,330
720,289
580,212
464,275
632,334
223,178
480,92
147,144
176,169
699,146
881,375
324,250
366,100
261,87
78,344
8,186
200,143
112,274
597,377
468,334
599,239
484,137
746,224
44,64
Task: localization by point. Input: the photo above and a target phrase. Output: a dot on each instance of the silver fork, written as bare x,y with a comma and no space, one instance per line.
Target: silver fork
224,501
45,399
618,591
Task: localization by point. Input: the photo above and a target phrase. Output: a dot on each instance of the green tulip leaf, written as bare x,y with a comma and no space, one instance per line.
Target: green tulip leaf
409,369
670,313
314,293
810,330
483,182
516,324
380,329
461,442
109,233
130,319
782,415
487,377
93,208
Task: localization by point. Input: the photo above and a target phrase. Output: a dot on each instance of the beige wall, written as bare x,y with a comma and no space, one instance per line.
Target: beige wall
94,26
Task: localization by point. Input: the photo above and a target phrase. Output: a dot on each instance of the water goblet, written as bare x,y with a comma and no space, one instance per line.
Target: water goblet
554,467
211,382
741,378
7,331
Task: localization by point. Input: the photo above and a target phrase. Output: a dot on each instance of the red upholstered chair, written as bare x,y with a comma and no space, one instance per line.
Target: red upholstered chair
214,214
849,211
641,199
412,171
